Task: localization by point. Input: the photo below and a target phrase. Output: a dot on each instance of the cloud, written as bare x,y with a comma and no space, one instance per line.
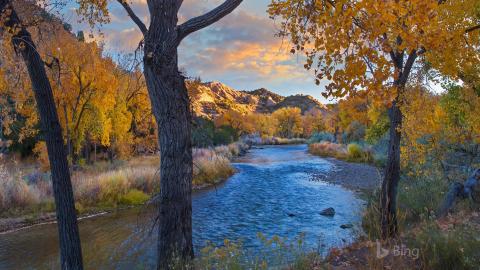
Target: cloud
244,58
241,49
122,40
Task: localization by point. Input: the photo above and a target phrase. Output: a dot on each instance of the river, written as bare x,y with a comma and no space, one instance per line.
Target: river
272,193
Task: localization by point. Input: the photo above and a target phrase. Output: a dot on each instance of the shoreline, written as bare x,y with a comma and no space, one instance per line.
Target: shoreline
17,223
14,224
359,177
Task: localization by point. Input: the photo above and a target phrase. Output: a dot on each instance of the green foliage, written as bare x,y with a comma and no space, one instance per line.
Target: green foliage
134,197
456,249
355,132
275,253
224,135
203,132
320,137
355,152
375,132
420,196
454,104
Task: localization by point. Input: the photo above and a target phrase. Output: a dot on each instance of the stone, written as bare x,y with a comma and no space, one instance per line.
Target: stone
346,226
330,212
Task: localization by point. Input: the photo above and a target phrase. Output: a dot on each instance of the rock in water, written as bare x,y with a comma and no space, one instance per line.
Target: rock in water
346,226
330,212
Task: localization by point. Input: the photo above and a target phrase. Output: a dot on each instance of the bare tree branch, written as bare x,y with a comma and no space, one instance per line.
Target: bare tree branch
408,67
134,16
473,28
207,19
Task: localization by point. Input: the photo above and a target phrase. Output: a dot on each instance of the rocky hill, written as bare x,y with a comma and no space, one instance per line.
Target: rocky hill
212,98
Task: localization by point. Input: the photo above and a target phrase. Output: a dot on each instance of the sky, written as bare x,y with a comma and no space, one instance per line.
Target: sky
241,50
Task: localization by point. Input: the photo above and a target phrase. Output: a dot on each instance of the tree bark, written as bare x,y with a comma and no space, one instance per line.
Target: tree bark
389,225
171,107
388,199
169,94
70,250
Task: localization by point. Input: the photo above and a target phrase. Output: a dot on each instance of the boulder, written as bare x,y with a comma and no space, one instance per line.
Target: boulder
330,212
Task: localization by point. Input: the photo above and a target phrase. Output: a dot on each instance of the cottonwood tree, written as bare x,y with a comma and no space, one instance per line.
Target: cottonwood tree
171,108
289,121
373,45
70,250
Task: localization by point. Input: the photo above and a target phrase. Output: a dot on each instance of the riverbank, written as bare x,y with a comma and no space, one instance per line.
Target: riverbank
268,194
354,176
26,198
424,241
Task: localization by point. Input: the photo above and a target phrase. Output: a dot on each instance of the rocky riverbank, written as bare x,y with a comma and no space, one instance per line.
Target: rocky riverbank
354,176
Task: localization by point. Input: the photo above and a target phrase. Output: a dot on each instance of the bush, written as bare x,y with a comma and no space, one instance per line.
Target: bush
40,152
355,152
375,132
420,196
457,249
224,135
327,149
355,132
15,192
211,166
321,137
134,197
202,132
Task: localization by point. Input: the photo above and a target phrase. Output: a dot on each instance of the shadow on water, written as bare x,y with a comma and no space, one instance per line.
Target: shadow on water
271,194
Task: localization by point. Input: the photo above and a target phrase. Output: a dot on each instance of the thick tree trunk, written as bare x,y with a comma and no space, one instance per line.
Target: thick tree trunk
70,250
171,107
389,226
169,95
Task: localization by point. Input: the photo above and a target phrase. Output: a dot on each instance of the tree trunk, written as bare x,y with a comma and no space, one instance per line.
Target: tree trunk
70,250
389,226
171,107
460,191
169,94
69,137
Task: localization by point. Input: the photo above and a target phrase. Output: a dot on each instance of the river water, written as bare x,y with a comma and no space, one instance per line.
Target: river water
272,193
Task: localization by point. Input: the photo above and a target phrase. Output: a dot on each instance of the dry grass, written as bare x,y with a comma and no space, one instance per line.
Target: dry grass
257,140
110,184
352,152
328,149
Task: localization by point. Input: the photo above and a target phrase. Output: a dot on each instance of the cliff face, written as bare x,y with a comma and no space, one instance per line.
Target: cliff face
213,98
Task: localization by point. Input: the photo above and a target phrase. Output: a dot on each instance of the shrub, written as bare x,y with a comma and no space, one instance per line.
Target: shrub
421,195
355,152
134,197
375,132
224,135
321,137
211,166
355,132
40,152
456,249
203,131
327,149
15,192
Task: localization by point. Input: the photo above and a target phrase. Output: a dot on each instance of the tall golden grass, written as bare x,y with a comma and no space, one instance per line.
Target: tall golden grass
132,182
352,152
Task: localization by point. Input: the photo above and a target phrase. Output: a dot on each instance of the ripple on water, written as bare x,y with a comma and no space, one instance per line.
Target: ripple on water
272,194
